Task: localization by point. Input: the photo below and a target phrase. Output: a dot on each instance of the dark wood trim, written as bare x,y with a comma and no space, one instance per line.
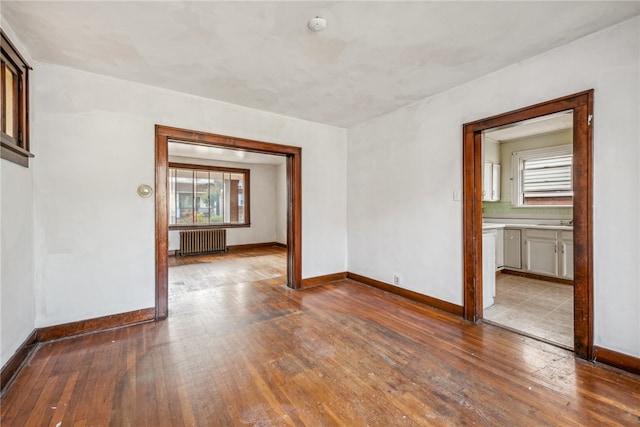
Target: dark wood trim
15,148
281,245
319,280
538,276
13,58
162,224
582,106
163,134
411,295
294,221
617,360
208,226
13,157
251,246
96,324
471,217
15,363
228,142
172,253
208,167
583,225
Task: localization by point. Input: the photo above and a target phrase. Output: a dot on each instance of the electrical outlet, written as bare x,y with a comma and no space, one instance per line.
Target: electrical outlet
396,279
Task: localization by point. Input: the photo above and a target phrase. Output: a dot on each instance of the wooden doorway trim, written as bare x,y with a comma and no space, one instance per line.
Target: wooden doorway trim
163,135
582,106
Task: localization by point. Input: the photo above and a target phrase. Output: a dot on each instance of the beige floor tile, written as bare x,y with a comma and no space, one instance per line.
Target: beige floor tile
534,307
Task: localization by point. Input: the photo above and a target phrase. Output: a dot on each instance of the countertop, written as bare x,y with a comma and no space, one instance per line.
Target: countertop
492,226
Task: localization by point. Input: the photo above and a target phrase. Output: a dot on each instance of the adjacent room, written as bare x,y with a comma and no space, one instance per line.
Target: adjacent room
528,227
213,241
319,213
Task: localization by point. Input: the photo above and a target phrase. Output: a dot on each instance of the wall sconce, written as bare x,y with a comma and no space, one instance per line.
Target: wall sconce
145,190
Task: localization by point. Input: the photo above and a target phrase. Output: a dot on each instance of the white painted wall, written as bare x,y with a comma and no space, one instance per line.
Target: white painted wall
490,151
262,202
95,252
17,274
403,168
281,204
17,316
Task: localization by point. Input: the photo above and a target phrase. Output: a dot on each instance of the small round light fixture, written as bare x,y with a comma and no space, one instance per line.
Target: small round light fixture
317,24
145,190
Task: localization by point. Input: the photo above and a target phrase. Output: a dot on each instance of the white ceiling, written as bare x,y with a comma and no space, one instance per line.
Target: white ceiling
196,151
374,57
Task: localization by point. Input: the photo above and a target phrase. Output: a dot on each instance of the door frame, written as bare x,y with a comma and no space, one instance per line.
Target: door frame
582,106
164,134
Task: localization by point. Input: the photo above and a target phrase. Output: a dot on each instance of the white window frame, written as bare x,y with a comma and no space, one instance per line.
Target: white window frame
517,162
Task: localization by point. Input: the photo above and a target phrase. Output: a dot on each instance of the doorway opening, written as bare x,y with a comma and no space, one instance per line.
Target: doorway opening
165,136
527,227
580,106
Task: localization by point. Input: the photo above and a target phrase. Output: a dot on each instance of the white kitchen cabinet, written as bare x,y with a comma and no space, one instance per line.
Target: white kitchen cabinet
491,182
540,252
488,267
495,182
548,252
565,259
513,248
499,248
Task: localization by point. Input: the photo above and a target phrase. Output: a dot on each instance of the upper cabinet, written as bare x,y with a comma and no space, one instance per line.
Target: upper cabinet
491,170
491,182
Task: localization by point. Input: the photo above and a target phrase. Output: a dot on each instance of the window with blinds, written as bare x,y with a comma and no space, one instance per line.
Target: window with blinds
548,181
544,176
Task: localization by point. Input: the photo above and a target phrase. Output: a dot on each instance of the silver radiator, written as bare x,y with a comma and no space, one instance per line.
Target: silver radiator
202,241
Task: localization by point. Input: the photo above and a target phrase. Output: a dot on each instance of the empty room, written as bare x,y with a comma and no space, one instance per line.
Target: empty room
357,213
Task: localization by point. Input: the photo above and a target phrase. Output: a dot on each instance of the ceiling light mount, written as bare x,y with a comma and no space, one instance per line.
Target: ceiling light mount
317,24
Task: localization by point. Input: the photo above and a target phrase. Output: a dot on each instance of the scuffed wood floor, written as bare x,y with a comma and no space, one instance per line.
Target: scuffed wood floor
237,352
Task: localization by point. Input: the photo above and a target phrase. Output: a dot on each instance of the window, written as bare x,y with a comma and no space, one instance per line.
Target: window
208,196
14,124
543,177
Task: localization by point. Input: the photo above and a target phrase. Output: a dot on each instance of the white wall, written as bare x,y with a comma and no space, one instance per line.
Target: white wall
403,168
262,189
17,296
490,151
281,204
17,274
95,251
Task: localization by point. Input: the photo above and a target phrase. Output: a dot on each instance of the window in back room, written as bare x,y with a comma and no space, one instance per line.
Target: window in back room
544,177
208,196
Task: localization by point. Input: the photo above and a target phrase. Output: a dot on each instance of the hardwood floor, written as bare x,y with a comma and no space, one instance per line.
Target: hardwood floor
239,352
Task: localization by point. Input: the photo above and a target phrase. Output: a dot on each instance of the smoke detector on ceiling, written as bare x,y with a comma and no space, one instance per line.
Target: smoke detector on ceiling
317,24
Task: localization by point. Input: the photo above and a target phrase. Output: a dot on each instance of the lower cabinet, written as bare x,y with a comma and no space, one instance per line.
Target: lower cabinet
541,252
548,252
566,254
488,267
499,249
512,248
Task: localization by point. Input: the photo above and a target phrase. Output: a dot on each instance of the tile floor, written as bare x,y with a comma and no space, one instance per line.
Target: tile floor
534,307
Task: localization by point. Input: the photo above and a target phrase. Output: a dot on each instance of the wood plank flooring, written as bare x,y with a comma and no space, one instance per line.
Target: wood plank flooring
249,351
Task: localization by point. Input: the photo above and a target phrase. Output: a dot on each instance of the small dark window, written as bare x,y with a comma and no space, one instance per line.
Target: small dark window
14,124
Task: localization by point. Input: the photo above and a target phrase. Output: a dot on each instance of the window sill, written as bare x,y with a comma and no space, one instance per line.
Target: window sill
15,154
207,226
540,206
